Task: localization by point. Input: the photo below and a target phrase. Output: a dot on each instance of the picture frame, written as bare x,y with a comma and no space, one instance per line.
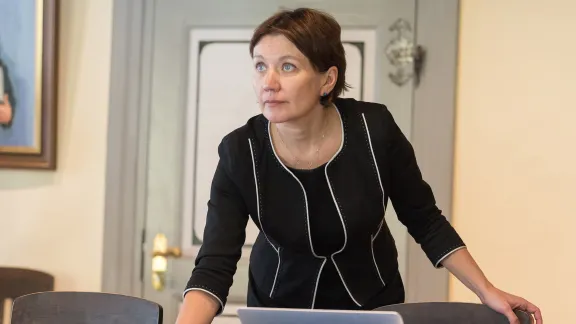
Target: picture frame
28,85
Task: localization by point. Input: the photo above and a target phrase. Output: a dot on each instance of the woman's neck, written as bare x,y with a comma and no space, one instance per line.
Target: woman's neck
309,141
307,130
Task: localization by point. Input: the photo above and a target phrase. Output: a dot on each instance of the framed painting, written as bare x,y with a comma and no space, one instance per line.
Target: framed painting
28,68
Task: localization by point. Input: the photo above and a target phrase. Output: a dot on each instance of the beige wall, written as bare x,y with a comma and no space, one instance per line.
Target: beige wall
53,221
515,183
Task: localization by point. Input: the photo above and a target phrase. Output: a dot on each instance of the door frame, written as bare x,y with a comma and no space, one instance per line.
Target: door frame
434,104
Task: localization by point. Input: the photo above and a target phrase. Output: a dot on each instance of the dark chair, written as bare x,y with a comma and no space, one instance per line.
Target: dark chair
16,282
451,313
85,308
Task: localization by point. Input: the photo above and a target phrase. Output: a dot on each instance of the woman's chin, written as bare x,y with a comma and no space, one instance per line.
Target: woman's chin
276,117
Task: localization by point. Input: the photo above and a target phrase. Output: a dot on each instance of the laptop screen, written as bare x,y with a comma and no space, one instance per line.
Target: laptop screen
254,315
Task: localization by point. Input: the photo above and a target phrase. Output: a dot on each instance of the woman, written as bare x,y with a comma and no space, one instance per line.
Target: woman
315,172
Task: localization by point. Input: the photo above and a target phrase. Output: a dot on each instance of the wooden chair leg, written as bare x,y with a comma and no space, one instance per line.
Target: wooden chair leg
2,305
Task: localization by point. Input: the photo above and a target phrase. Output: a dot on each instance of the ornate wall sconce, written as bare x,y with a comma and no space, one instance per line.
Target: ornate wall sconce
406,57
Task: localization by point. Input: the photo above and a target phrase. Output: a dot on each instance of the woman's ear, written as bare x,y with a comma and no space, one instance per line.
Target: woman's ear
330,79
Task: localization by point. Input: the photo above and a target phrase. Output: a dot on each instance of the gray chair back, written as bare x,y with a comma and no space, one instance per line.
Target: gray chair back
451,313
84,307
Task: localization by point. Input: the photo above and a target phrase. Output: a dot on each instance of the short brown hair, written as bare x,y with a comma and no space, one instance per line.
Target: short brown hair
316,34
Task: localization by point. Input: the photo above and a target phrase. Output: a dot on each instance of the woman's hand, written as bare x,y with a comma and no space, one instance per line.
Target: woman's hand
505,303
461,264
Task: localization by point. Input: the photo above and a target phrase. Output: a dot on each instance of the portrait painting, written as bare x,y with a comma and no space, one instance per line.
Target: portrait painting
28,44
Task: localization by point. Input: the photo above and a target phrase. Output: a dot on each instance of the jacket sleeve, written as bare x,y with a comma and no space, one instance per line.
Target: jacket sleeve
224,234
414,201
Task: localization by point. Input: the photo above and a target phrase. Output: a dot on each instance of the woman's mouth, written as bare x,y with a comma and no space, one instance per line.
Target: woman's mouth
272,103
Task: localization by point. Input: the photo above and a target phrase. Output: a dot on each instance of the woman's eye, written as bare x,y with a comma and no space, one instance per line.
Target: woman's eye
288,67
260,67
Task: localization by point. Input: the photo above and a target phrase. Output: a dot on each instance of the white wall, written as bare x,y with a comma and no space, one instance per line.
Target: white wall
515,182
53,221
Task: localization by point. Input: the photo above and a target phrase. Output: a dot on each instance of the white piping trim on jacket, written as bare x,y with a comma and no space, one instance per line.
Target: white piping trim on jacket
276,275
307,214
339,212
209,293
277,249
383,203
317,282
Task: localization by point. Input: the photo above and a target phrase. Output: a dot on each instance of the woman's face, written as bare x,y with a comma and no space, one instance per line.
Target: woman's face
285,82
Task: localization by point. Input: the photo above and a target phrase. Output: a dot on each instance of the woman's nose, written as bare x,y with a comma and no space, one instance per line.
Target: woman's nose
271,82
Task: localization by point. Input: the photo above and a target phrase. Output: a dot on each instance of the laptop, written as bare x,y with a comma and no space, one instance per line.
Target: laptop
256,315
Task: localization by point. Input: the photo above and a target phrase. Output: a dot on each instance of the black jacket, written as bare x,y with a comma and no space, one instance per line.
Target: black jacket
375,163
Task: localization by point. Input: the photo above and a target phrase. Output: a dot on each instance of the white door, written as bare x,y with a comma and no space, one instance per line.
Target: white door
201,90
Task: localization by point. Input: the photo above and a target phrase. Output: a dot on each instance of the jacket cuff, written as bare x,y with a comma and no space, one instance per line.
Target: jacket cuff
208,291
440,240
